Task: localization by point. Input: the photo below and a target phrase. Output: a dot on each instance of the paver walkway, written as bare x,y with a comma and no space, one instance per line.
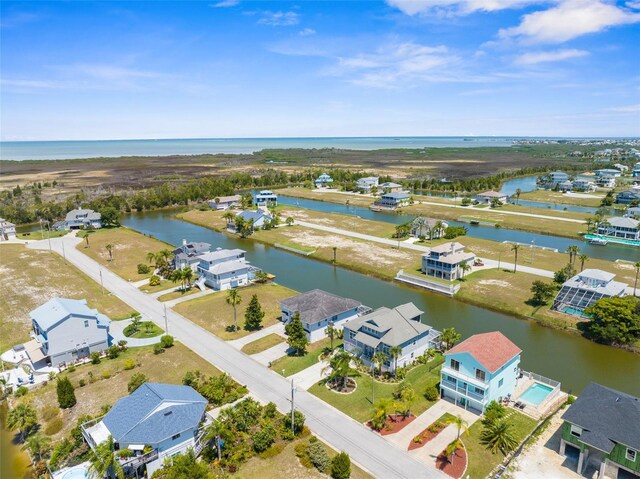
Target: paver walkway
274,329
332,426
116,331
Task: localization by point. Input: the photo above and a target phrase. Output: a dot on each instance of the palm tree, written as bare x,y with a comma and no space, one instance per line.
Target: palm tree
518,193
460,424
395,352
109,248
515,247
23,417
187,275
233,298
590,221
331,331
379,358
339,368
464,267
228,216
635,284
382,408
103,461
38,445
583,259
151,257
451,449
573,251
438,227
498,436
289,221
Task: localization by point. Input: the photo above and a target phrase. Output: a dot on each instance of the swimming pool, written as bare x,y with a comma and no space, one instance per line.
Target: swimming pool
574,311
79,473
535,394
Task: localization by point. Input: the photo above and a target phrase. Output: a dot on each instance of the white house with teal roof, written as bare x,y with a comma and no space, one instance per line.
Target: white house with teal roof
65,330
323,180
166,418
266,198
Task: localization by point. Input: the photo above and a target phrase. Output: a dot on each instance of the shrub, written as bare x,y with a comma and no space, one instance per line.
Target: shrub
318,456
95,357
124,453
431,393
114,352
71,368
154,280
166,341
301,453
52,375
264,438
66,396
157,348
273,451
21,391
493,412
60,452
92,379
571,399
82,383
54,426
49,412
269,411
417,439
341,466
137,380
143,269
129,364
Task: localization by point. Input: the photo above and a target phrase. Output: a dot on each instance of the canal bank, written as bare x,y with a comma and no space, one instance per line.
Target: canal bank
568,358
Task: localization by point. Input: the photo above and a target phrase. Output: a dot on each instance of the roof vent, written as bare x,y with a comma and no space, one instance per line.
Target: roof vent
617,399
168,413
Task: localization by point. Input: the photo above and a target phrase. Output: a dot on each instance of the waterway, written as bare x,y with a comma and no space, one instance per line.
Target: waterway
609,252
562,356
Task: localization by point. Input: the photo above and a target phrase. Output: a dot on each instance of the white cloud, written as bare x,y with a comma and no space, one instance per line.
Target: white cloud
457,7
626,109
568,20
225,4
306,32
533,58
279,19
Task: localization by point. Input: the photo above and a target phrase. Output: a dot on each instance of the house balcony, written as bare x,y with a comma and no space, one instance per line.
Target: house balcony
464,391
446,370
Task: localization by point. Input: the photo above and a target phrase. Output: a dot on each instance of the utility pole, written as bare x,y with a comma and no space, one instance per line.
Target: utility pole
101,282
63,253
499,257
49,235
533,247
373,398
166,323
293,389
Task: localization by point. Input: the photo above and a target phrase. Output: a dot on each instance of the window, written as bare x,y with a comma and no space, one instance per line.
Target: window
173,438
480,374
478,391
576,431
86,323
631,455
500,383
455,365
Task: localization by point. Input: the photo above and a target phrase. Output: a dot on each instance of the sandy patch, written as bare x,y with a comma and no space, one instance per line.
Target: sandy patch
494,282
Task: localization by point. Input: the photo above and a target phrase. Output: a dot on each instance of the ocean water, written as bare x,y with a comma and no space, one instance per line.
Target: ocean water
62,150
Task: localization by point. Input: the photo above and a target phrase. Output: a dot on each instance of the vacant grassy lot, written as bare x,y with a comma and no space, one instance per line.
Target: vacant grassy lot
289,365
40,235
164,284
130,248
29,278
262,344
549,196
358,404
330,197
209,219
480,460
214,314
168,367
181,293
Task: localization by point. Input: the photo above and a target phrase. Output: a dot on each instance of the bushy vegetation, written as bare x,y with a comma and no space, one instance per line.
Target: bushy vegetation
66,395
218,390
614,320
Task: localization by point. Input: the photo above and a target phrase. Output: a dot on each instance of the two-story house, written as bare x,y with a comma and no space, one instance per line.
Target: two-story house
585,185
385,328
445,261
489,196
266,198
318,309
628,196
188,254
603,428
324,180
390,187
608,172
393,200
584,289
224,269
224,202
365,184
7,230
479,370
82,219
164,418
556,177
620,227
66,330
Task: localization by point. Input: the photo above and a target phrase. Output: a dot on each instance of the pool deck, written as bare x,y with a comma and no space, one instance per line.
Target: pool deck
60,474
546,406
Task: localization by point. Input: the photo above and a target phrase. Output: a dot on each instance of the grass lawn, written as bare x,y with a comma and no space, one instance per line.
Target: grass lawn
330,197
29,278
147,329
549,196
178,294
480,460
209,219
262,344
40,235
168,367
358,403
130,248
286,464
294,364
214,314
164,284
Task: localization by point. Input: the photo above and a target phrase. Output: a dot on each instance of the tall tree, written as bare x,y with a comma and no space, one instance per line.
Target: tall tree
379,358
109,248
542,292
103,462
450,337
331,333
583,259
23,418
395,352
515,247
297,337
460,423
253,315
233,298
464,267
518,193
614,320
635,283
451,449
66,395
38,445
228,216
573,251
339,368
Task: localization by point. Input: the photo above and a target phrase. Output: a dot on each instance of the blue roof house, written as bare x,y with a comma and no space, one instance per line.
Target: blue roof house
165,417
259,218
66,330
323,180
266,198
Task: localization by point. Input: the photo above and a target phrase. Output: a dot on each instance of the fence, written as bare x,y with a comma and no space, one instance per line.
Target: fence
448,289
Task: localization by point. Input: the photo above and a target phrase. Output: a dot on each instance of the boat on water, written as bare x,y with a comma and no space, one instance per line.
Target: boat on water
598,241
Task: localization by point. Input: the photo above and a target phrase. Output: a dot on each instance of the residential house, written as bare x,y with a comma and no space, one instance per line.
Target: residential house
628,196
479,370
365,184
390,187
324,180
636,170
584,185
165,418
225,202
623,168
445,261
224,269
385,328
82,219
565,186
189,254
584,289
556,177
266,198
620,227
258,218
7,230
606,181
66,330
318,309
608,172
603,428
633,211
428,227
488,196
393,200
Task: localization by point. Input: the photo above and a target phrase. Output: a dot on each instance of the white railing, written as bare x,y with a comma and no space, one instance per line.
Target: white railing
541,379
426,283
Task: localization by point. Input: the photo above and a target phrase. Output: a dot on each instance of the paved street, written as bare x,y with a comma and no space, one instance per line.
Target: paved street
368,450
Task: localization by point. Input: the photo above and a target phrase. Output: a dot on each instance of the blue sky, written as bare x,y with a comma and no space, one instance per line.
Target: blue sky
120,70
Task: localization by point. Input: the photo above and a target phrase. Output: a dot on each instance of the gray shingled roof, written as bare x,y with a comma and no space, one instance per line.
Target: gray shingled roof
317,305
607,417
154,412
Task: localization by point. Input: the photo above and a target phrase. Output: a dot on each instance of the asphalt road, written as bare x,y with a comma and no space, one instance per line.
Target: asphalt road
367,449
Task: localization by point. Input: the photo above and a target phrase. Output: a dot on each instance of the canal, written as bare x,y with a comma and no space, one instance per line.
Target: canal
565,357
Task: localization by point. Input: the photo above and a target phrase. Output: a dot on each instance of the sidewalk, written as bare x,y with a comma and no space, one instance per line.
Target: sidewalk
310,376
270,355
275,329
